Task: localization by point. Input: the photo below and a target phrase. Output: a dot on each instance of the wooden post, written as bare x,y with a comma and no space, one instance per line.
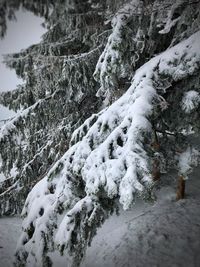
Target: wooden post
180,193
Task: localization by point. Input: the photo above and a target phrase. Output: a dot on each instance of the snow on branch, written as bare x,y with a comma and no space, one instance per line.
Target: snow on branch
107,161
116,62
190,101
173,16
187,160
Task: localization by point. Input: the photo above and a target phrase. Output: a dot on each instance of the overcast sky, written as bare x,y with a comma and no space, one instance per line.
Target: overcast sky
22,33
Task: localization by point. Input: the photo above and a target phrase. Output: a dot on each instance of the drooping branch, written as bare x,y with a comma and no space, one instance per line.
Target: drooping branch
108,161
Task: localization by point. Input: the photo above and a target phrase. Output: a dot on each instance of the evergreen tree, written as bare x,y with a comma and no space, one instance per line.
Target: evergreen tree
59,94
105,149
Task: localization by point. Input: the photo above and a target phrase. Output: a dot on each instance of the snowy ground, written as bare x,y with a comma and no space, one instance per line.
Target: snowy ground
166,234
9,233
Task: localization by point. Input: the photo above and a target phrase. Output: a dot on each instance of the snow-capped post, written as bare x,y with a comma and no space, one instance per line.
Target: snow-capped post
187,161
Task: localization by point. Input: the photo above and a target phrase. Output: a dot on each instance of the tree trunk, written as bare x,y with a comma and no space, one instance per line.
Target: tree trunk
156,162
156,170
180,193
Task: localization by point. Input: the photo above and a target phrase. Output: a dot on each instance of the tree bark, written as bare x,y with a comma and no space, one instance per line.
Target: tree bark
156,170
180,193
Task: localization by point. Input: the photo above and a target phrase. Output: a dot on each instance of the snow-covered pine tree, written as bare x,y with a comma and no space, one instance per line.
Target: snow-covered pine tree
110,160
113,153
58,94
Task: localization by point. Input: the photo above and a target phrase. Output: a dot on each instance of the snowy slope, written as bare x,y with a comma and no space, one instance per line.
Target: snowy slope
164,234
9,233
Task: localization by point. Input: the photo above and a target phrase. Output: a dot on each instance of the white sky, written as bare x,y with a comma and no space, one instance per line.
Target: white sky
22,33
